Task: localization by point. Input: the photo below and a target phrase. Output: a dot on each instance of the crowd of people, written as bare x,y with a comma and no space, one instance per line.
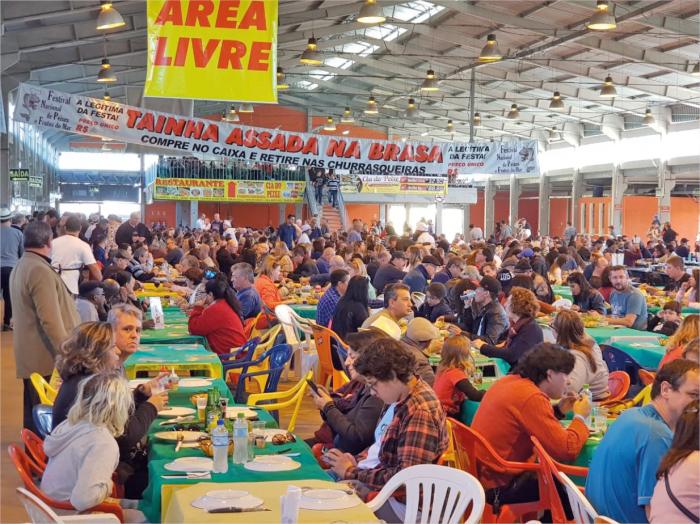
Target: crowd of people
73,306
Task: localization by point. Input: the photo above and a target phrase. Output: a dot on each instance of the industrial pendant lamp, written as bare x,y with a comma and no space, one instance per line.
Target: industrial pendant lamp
490,52
106,74
311,56
281,82
347,117
603,19
513,114
450,126
106,96
649,119
246,108
371,106
477,119
608,90
411,108
232,115
430,82
109,18
556,102
553,134
329,125
371,13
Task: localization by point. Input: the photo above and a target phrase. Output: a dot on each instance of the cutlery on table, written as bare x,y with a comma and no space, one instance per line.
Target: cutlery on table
180,440
236,510
282,451
348,491
177,420
190,475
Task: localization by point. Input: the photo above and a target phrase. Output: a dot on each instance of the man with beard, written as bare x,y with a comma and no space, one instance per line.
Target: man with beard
629,307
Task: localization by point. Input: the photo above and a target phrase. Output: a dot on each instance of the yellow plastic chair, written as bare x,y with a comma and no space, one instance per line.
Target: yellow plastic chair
283,399
55,381
46,393
642,398
448,457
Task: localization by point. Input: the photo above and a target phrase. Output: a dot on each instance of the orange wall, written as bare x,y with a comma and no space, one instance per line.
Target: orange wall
501,205
159,212
558,215
476,212
637,214
684,217
251,215
529,208
596,203
365,212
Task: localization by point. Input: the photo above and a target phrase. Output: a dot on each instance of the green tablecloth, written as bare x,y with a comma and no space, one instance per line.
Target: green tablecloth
648,353
171,334
563,292
162,453
305,310
192,356
653,310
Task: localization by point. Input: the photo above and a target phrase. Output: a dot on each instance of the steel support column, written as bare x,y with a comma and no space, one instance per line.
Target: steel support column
489,194
513,198
618,192
576,194
543,215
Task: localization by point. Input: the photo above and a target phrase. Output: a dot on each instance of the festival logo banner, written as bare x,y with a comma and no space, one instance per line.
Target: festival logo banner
198,136
229,190
393,185
493,158
212,50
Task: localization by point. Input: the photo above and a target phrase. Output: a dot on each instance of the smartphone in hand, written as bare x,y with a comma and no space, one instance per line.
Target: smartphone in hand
312,385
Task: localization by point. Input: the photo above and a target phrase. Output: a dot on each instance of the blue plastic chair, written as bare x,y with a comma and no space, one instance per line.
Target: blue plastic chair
242,354
42,414
277,358
618,360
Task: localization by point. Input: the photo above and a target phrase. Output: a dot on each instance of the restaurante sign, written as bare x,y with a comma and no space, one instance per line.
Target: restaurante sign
228,190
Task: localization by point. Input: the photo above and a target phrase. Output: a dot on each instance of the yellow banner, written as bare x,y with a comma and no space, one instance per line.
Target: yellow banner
228,190
212,50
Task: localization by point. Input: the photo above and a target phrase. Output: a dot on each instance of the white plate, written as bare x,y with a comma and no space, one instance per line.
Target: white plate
189,436
194,382
233,411
133,384
226,493
208,503
189,464
327,499
176,411
270,463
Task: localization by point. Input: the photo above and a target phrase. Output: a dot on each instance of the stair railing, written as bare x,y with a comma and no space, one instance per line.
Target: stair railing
310,195
342,211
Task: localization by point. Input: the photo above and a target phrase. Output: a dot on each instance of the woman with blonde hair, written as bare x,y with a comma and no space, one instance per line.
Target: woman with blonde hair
686,332
415,257
452,385
282,254
266,283
82,451
358,268
589,368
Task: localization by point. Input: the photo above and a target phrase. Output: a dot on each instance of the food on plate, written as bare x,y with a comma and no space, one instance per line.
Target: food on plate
283,438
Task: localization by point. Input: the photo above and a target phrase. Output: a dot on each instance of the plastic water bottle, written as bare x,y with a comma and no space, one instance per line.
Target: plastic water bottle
219,441
240,440
587,392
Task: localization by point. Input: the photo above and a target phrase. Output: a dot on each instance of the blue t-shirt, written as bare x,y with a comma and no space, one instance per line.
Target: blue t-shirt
622,474
630,301
250,302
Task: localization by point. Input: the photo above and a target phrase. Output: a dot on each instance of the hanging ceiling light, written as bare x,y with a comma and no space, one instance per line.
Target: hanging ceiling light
696,70
450,126
106,74
347,117
311,56
232,115
556,102
411,108
109,18
329,125
371,106
649,119
514,114
371,13
281,83
490,52
608,89
246,108
603,19
430,82
553,134
477,119
106,96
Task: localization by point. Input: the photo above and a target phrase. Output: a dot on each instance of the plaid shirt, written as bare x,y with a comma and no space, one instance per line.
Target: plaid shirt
416,435
326,306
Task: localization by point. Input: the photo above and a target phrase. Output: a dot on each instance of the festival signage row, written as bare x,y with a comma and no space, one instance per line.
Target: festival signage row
394,185
191,136
262,191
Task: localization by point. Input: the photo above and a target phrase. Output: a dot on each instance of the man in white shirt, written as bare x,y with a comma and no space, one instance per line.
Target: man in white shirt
475,233
69,254
201,221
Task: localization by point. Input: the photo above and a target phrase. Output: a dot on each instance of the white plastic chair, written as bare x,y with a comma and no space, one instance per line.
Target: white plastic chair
584,512
298,334
39,512
446,493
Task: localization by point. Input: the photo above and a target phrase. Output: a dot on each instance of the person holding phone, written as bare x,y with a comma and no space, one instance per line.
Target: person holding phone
349,414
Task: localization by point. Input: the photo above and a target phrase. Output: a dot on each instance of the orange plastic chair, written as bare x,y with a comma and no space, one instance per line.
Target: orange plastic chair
646,377
548,488
475,455
26,469
323,338
619,385
317,451
35,448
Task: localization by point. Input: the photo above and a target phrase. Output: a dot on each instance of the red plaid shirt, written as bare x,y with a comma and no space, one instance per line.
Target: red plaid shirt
416,435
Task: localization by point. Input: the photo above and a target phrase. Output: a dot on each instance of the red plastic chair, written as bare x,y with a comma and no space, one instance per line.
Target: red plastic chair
475,455
317,450
323,338
646,377
27,469
35,448
619,385
548,487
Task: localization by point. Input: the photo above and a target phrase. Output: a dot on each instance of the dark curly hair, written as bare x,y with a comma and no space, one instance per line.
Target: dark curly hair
386,360
543,357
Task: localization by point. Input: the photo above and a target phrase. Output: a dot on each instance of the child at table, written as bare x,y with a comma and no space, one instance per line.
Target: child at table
667,320
452,383
676,343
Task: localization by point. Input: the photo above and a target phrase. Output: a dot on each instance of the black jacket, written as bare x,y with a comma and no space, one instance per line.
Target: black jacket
527,337
433,312
348,317
387,274
489,323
